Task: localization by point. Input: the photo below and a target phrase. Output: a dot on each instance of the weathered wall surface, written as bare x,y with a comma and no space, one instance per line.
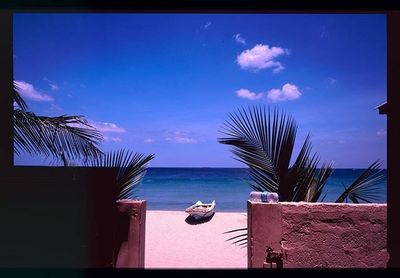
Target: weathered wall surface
318,235
132,224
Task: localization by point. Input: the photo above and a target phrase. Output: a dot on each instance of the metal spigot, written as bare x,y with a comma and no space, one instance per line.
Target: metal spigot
274,258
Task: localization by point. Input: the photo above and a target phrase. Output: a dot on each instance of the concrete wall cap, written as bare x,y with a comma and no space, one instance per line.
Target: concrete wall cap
129,201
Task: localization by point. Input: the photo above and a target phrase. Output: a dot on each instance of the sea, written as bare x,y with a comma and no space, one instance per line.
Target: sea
175,189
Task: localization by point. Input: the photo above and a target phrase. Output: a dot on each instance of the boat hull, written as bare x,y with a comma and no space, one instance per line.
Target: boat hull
199,216
199,210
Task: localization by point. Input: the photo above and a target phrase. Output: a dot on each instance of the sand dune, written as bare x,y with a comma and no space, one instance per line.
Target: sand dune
174,242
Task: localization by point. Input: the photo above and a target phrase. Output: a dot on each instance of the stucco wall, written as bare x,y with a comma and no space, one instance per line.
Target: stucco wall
318,235
132,240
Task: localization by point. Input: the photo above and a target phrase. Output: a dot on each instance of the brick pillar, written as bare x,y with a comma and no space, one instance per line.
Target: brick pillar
131,251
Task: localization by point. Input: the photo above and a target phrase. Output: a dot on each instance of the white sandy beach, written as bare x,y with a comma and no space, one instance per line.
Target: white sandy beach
171,242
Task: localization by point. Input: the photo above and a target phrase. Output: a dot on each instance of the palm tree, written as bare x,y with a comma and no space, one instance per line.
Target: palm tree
51,136
264,141
72,137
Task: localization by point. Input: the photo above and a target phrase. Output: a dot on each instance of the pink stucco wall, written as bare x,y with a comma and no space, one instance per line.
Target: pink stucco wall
131,251
318,235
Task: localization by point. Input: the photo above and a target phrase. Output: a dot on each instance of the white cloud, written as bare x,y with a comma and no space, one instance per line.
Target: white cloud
28,91
180,138
113,139
239,39
244,93
331,82
207,25
342,141
288,92
278,67
381,132
261,57
106,127
324,33
148,140
53,85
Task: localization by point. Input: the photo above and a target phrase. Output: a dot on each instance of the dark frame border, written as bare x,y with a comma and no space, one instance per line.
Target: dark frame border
203,6
388,7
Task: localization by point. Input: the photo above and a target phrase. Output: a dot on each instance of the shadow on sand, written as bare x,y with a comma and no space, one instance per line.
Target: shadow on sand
191,221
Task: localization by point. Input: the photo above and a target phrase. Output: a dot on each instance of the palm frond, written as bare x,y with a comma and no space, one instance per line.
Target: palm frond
323,198
243,245
261,181
241,238
318,184
235,230
246,142
51,135
294,183
18,99
238,239
263,142
132,168
365,187
306,177
238,236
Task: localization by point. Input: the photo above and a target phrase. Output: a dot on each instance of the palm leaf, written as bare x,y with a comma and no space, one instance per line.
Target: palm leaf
305,178
241,238
263,142
18,99
238,236
235,230
243,245
51,135
131,169
316,187
261,181
300,174
364,187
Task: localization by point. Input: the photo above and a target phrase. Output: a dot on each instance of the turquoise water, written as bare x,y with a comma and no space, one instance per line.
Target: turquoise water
178,188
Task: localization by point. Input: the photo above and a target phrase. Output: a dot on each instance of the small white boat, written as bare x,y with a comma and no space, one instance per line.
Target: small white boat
200,210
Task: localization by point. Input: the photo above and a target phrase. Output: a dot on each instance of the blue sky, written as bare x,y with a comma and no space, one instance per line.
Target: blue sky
164,83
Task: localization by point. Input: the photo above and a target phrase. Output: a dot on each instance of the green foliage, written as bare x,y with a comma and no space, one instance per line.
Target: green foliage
364,188
18,99
264,141
72,137
131,169
50,136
